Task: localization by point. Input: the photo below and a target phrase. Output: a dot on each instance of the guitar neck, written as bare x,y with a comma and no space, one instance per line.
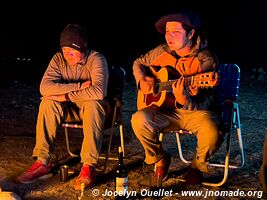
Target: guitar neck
167,85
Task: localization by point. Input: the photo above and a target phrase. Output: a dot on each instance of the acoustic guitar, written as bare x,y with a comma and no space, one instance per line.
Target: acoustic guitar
161,94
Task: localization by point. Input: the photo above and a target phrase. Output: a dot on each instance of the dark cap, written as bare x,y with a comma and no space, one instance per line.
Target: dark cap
185,17
74,36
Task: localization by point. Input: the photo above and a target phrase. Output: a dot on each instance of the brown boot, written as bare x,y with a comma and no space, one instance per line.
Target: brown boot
160,173
194,177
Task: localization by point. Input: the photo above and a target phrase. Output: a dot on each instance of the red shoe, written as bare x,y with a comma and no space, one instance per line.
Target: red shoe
37,171
86,177
161,173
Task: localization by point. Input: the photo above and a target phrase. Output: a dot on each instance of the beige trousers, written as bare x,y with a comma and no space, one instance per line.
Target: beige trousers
51,113
148,122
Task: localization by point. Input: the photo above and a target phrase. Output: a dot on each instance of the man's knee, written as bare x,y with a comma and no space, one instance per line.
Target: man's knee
214,140
93,104
138,119
210,135
49,105
95,109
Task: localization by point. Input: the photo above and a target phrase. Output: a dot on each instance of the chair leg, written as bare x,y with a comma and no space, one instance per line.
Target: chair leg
239,135
119,112
122,139
180,151
107,158
236,127
179,147
226,166
116,114
111,130
68,144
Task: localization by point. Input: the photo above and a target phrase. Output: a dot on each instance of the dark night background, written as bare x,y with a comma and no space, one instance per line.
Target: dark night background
124,30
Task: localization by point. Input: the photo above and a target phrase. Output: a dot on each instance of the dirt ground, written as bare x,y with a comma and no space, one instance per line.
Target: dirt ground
18,111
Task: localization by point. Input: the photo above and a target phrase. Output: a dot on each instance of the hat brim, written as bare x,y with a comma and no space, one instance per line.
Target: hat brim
189,20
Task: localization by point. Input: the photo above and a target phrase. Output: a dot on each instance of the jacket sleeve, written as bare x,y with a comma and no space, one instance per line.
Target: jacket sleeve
145,61
202,98
52,82
98,68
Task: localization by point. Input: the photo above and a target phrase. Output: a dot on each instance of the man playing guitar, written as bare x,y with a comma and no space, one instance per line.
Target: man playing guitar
185,53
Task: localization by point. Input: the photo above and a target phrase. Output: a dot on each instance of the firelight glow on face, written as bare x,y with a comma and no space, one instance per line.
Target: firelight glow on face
72,56
175,35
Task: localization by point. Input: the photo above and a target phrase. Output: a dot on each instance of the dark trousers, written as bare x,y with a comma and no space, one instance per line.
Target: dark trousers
263,169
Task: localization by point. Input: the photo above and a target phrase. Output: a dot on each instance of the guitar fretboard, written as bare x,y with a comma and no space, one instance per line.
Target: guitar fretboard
167,85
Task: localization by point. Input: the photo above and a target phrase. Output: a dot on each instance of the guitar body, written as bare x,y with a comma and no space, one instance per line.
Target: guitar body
161,95
164,98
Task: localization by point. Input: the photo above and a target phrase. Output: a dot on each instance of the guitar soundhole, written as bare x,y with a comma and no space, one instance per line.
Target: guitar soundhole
150,98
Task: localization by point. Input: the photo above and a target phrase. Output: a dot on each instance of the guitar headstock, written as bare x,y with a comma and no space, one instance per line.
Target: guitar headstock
208,79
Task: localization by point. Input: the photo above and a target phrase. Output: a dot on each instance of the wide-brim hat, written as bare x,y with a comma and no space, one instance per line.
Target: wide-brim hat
189,18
